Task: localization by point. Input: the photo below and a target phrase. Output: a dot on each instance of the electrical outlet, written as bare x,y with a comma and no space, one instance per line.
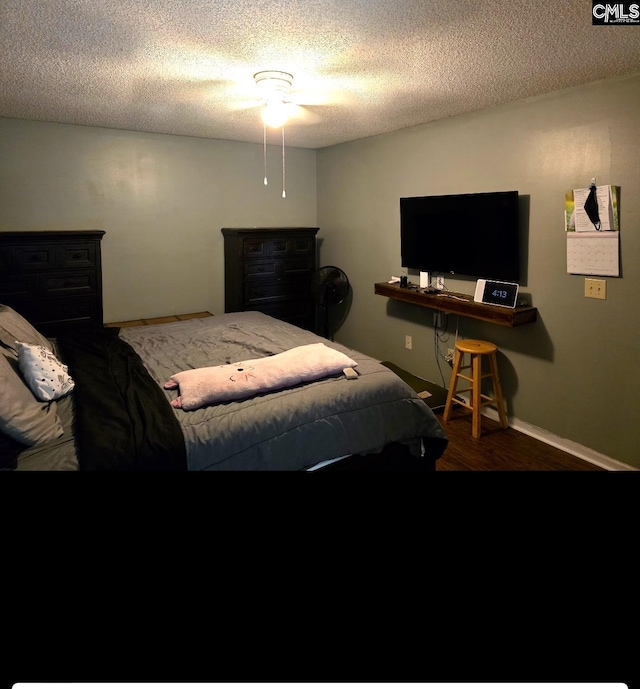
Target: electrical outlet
595,289
408,341
449,357
440,282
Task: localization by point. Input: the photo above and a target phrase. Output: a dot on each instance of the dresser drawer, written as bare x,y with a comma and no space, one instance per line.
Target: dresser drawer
42,257
279,269
36,257
77,255
256,293
278,246
58,310
298,268
260,270
13,286
291,246
48,284
256,248
70,283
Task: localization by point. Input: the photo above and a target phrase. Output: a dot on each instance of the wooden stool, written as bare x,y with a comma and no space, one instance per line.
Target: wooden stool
476,349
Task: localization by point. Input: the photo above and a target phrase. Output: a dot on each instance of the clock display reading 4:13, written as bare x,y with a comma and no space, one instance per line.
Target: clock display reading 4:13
496,292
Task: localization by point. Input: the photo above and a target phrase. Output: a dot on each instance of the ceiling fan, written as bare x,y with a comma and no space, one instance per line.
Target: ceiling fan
279,101
301,99
280,104
275,98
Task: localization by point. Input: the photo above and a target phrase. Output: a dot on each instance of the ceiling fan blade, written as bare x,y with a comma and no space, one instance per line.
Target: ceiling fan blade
297,114
322,97
303,115
245,104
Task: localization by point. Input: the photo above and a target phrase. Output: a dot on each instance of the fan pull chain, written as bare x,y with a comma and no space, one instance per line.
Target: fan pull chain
284,193
264,138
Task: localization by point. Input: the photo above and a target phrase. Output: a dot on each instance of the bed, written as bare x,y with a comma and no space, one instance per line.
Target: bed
123,412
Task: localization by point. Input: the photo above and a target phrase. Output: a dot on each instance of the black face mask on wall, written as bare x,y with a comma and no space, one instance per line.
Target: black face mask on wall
591,207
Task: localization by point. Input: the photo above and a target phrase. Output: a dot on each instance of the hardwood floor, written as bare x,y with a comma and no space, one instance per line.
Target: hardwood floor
501,449
497,449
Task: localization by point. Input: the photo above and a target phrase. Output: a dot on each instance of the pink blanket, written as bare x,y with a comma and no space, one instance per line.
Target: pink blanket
201,386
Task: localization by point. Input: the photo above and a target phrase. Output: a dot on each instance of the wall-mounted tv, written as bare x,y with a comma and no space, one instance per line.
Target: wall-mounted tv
466,235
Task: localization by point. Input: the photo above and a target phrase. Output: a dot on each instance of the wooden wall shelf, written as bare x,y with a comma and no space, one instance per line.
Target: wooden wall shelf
460,304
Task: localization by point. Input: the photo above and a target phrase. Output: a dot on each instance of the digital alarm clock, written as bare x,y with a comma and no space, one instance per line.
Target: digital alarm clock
497,293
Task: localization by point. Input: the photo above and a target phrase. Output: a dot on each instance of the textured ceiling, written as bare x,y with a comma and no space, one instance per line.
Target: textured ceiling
361,67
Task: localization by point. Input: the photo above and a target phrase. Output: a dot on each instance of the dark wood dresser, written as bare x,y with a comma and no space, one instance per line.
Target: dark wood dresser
271,270
54,278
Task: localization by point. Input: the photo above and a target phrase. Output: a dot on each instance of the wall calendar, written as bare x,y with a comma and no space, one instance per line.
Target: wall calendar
593,253
592,225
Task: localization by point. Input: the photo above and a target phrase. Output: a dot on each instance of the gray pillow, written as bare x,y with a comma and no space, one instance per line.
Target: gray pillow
14,327
22,416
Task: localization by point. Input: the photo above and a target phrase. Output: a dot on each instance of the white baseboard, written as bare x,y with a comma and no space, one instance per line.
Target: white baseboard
563,444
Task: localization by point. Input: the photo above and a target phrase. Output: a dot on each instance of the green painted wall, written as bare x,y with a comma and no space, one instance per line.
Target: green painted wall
161,200
575,372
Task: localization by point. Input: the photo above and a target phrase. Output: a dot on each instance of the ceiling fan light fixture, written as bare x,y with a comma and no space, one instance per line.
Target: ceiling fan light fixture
275,114
274,87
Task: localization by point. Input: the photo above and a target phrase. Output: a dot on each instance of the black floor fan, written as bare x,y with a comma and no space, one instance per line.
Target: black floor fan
330,288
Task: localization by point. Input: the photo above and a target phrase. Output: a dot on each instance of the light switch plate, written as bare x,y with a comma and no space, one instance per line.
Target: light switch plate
595,289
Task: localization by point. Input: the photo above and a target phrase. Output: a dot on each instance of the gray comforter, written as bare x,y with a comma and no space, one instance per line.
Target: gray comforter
291,429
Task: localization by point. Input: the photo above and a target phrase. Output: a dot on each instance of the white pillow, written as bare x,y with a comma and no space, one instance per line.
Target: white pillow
45,375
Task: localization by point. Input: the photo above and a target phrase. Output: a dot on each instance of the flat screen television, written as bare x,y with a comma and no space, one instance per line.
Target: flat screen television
467,235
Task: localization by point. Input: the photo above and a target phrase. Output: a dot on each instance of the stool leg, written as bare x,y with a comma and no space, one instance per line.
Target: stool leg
476,364
457,361
497,391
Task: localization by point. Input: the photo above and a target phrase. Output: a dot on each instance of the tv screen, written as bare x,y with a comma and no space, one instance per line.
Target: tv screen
470,235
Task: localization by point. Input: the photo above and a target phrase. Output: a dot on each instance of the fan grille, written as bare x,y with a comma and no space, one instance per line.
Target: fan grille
331,286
